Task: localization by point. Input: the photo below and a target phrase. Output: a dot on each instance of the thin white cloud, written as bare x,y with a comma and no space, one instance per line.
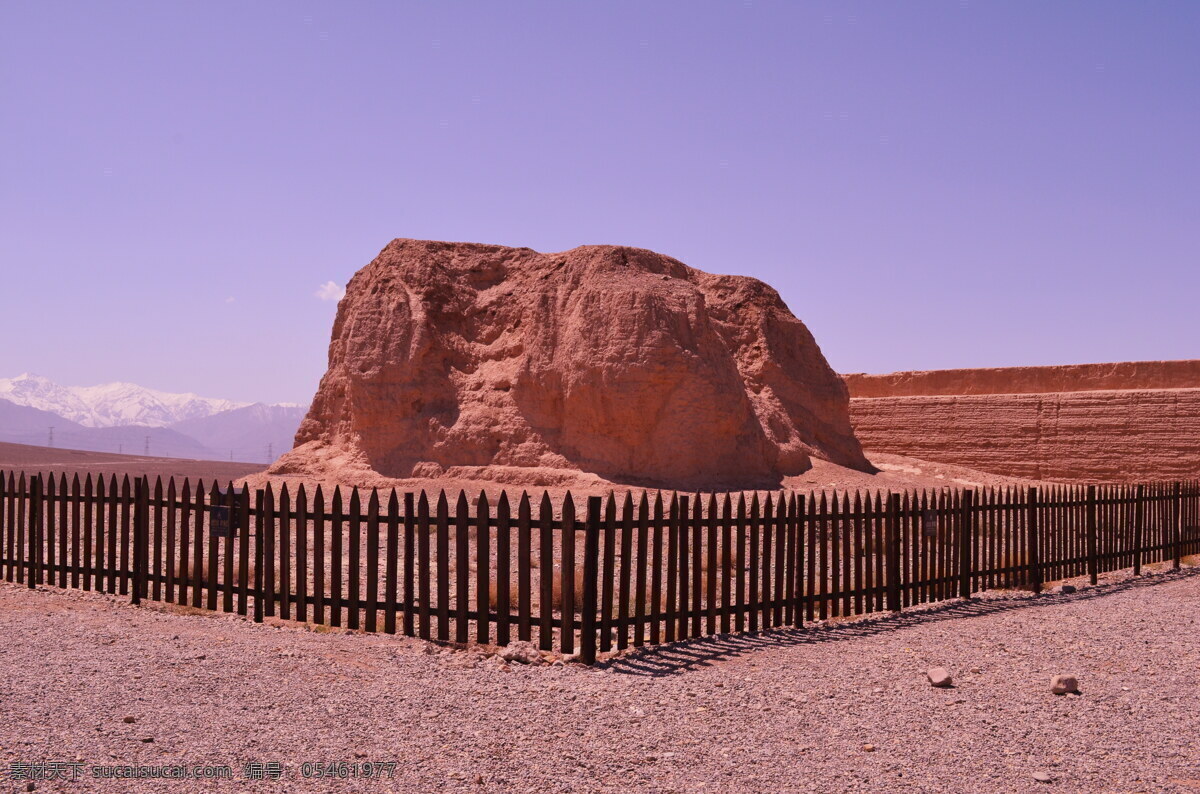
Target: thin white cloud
230,299
329,291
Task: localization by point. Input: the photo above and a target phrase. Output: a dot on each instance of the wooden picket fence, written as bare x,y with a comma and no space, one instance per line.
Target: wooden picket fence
661,568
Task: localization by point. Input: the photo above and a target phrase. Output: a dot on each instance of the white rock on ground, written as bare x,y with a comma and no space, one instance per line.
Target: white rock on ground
521,651
939,677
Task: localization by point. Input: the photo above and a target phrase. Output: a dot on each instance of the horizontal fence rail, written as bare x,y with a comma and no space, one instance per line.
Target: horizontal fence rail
622,571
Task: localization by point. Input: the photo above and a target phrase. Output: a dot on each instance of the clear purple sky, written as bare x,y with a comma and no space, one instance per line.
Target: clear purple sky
928,184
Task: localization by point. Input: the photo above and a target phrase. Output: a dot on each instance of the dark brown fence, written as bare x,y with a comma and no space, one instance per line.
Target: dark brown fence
661,568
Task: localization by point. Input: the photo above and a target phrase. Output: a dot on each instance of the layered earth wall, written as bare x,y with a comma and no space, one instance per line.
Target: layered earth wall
1123,422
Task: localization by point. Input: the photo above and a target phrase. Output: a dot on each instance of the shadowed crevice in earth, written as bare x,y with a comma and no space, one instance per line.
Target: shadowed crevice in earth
688,655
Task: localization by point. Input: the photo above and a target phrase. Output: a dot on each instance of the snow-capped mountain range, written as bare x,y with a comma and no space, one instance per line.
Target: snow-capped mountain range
131,419
111,404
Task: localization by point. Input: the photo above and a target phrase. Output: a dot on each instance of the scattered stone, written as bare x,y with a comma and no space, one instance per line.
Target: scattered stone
129,720
976,670
147,739
939,677
1043,777
522,652
1067,589
868,748
1062,684
479,780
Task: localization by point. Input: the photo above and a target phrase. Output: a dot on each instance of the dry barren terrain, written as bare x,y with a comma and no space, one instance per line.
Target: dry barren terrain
834,708
51,460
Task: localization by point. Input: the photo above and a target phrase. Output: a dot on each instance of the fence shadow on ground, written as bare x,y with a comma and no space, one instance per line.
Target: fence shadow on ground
689,655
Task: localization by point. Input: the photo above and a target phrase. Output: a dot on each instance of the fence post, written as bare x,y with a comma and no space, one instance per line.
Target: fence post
591,559
258,591
243,524
5,552
1177,525
140,509
799,553
893,553
1139,520
965,544
1092,561
1032,549
144,591
35,527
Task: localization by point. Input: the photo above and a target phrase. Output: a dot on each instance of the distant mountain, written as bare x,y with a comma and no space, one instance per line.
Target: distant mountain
249,433
23,420
111,404
129,419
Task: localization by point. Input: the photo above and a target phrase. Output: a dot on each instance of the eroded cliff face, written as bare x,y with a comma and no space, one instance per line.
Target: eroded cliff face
1087,432
480,361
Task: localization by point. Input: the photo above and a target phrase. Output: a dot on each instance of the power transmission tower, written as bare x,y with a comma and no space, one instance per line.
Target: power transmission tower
270,452
147,450
51,435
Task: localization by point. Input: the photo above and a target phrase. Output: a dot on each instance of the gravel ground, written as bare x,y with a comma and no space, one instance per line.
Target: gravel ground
836,708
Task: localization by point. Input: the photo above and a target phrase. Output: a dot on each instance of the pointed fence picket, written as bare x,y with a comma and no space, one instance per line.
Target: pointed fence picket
630,570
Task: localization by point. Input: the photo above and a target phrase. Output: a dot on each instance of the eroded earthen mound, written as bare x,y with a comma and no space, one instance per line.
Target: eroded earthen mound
479,361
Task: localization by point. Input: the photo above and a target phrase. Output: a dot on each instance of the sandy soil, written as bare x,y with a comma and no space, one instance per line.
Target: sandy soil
896,472
837,708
